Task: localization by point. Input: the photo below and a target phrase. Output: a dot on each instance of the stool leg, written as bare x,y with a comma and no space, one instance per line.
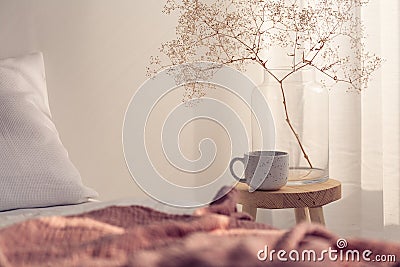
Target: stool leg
301,215
250,210
317,215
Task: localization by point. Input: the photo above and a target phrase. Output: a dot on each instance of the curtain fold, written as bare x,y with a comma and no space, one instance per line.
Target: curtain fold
365,139
381,110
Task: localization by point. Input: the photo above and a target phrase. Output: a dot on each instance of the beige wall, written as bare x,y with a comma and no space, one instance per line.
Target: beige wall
96,53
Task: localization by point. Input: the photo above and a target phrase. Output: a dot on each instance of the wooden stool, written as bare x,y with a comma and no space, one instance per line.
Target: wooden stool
307,200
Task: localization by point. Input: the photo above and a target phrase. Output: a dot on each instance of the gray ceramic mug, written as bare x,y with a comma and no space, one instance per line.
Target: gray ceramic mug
264,170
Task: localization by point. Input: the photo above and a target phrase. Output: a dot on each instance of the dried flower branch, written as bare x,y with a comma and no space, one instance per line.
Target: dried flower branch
326,35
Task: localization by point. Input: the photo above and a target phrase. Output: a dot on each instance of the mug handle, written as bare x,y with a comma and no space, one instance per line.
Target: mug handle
242,180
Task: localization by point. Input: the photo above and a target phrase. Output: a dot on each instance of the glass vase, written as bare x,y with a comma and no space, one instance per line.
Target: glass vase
301,124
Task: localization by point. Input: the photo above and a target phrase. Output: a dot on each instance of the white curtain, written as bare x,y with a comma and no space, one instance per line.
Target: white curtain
365,140
380,117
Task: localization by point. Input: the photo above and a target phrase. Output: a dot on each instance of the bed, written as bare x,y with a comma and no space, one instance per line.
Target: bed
120,234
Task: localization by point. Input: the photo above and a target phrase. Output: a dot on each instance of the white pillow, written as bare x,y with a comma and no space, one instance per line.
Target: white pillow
35,170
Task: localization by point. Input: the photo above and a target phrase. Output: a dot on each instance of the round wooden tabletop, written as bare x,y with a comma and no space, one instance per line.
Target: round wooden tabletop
299,196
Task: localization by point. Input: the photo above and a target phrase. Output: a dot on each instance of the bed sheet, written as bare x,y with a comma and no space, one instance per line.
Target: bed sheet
217,235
